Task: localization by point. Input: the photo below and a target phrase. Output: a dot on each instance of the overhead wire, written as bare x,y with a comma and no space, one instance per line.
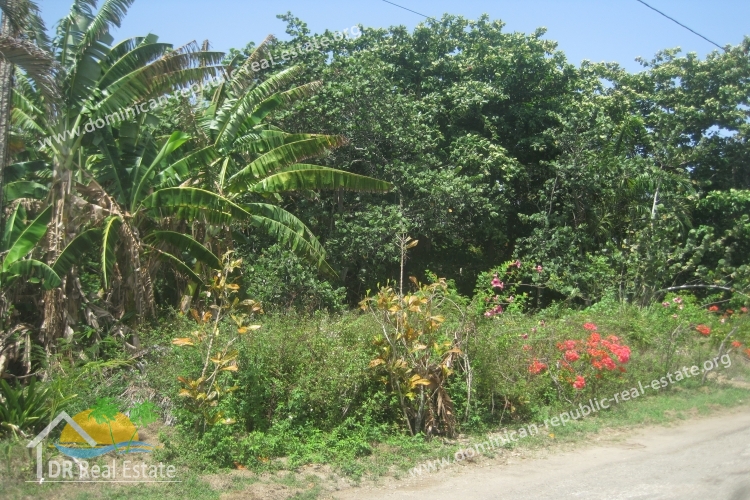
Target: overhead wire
678,22
402,7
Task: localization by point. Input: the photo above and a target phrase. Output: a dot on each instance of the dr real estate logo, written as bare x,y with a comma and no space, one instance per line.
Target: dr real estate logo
94,433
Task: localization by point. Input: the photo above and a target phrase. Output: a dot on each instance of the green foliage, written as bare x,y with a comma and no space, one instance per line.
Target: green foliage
282,281
205,392
26,409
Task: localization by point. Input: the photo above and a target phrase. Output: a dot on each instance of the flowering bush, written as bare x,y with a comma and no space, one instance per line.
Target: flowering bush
593,356
497,291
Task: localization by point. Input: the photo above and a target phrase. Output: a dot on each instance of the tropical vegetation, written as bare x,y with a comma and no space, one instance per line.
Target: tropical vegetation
400,236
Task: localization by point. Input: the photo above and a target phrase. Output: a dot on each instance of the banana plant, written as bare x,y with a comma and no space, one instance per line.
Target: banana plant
18,241
99,85
255,161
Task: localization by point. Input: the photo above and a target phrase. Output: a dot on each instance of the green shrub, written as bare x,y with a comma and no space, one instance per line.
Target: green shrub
282,281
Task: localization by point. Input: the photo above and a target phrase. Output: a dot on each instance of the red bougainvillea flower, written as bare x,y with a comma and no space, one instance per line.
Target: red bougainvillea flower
743,309
589,326
703,330
539,269
526,348
537,367
572,356
579,383
713,308
736,343
568,345
608,363
623,354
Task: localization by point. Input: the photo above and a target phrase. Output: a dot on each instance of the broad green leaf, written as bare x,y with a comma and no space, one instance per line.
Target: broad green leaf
319,178
73,253
187,244
30,236
30,268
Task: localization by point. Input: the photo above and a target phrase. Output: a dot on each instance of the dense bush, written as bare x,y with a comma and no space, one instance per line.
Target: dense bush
282,281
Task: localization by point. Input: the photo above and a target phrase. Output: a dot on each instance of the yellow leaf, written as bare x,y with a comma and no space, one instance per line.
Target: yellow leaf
230,368
376,362
242,330
195,316
182,341
185,393
412,244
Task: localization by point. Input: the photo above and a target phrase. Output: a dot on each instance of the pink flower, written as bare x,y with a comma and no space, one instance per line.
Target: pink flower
665,304
589,326
518,264
525,336
579,383
510,299
539,269
677,300
488,314
533,329
498,309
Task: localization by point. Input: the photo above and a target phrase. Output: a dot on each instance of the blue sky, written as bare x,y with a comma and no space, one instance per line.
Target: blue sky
597,30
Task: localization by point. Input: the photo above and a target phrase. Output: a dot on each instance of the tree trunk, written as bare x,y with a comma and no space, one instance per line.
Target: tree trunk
6,85
55,324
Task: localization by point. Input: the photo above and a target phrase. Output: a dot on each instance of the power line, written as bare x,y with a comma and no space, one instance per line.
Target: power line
678,22
402,7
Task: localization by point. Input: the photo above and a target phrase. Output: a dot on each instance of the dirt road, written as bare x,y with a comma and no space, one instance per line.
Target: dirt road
701,459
